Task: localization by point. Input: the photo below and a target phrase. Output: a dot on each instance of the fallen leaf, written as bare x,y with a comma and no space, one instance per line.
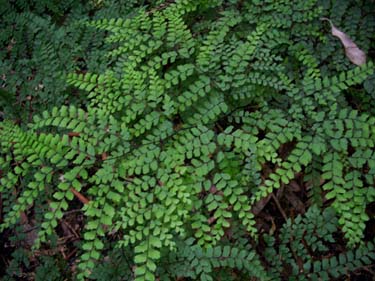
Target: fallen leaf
353,53
80,197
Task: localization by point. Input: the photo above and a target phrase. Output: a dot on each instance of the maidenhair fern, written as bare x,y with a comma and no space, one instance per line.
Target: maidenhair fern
40,42
302,247
170,152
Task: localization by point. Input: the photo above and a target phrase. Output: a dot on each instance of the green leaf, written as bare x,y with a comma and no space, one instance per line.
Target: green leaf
140,258
306,158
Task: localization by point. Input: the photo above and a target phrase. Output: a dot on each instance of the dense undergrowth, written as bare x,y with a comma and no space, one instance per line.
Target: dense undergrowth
186,140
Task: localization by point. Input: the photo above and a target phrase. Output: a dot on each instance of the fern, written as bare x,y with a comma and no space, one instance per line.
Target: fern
41,41
205,108
201,263
303,241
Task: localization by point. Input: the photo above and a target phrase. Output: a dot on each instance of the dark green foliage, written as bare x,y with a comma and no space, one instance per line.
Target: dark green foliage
42,41
200,264
197,112
35,53
51,268
20,259
117,265
303,246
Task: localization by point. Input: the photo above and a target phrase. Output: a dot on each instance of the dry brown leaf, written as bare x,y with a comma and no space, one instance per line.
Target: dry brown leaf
353,53
80,197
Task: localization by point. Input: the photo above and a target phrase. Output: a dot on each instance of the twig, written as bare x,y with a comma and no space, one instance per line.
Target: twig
70,228
73,211
279,206
368,269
